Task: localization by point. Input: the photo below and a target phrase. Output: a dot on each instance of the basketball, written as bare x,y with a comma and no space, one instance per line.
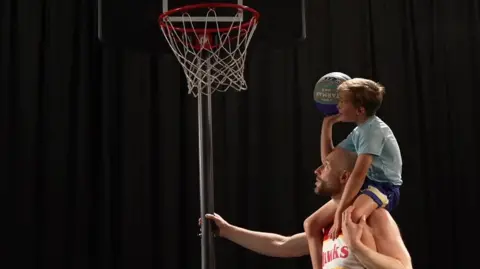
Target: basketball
325,93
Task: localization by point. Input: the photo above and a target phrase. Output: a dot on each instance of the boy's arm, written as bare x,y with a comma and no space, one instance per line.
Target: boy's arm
326,142
370,143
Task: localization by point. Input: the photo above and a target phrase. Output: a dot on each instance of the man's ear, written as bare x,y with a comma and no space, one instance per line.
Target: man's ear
344,177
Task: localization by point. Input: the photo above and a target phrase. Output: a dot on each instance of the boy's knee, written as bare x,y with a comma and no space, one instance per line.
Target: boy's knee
307,223
356,215
311,227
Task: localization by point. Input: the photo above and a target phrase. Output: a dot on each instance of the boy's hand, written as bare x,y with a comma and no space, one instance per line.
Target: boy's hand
332,119
336,227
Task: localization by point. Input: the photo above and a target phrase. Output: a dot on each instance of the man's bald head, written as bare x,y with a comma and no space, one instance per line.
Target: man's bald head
342,160
333,174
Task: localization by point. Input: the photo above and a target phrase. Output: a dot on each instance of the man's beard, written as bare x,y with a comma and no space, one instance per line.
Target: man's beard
325,189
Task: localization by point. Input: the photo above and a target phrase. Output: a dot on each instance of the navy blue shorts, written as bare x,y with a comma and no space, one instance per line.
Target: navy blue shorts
384,194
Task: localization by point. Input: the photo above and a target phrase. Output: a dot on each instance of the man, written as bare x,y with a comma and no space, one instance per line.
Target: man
373,243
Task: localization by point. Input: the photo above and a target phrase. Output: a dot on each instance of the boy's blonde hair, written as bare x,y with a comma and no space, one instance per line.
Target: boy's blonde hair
364,93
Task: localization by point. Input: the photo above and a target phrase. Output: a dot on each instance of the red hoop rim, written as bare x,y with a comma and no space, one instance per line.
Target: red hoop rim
256,16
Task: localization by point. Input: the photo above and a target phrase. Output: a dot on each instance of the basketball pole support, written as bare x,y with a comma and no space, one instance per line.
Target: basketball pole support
206,182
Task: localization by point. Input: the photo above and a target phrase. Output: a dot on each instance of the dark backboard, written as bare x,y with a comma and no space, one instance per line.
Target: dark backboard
133,23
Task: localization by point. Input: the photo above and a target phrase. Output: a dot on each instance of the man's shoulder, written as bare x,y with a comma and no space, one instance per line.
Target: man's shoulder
382,221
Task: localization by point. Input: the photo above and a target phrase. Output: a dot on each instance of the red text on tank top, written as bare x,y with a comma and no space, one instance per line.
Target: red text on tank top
334,253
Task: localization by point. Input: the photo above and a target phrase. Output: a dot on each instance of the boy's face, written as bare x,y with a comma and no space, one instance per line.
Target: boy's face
348,112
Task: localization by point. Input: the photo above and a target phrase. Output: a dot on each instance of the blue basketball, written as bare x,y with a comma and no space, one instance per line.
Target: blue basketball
325,93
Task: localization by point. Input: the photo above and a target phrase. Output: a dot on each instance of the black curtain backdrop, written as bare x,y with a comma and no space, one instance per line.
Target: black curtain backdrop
99,151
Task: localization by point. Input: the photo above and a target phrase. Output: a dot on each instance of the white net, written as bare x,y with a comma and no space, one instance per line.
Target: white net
213,57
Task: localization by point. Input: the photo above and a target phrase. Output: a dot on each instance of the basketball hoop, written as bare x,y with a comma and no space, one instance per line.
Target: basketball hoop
212,51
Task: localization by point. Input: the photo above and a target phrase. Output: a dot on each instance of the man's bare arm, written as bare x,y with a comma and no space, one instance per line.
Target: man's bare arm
269,244
391,251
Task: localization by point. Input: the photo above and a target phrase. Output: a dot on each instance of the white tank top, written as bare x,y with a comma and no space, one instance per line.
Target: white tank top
336,254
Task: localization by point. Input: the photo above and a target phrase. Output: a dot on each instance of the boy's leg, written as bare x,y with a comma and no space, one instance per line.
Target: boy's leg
321,218
374,196
364,205
313,226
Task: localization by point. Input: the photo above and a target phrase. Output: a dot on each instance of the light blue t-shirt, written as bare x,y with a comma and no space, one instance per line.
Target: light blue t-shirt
376,138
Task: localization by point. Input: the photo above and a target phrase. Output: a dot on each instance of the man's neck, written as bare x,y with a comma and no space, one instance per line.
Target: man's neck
337,198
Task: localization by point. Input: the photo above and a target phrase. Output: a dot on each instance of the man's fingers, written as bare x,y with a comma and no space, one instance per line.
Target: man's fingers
207,216
350,208
345,217
348,215
363,220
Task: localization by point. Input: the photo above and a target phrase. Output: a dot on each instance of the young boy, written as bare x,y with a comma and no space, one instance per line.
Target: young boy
376,178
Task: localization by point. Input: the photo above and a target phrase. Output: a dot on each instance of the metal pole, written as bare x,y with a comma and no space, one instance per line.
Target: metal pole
210,183
205,143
